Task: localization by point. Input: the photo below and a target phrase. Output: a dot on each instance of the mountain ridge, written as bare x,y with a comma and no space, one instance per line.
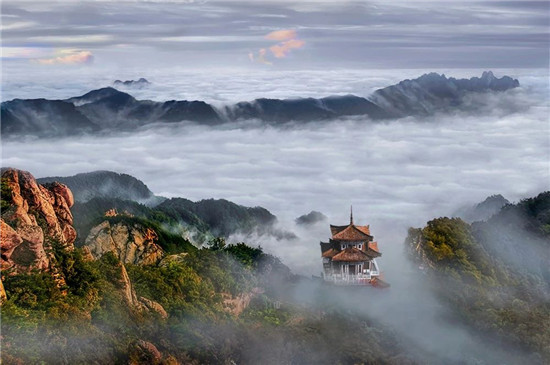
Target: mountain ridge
109,109
98,191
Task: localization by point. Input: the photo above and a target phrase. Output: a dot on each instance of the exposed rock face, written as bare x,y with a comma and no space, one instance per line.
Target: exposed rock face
153,306
131,243
236,304
33,217
143,352
128,294
127,290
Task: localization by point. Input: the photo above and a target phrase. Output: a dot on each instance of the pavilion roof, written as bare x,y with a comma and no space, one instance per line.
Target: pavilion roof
350,233
331,252
372,249
351,254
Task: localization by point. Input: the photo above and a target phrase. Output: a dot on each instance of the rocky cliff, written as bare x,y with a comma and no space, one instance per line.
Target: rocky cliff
130,242
34,217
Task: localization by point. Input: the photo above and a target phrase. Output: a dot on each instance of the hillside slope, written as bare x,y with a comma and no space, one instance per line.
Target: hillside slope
494,274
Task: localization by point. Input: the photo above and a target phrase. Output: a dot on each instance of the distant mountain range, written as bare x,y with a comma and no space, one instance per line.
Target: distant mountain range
106,184
109,109
141,83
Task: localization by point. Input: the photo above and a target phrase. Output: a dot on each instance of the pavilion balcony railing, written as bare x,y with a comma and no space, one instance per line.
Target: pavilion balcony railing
339,278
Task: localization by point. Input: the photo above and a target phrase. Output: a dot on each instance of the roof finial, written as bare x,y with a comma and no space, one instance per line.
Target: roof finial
351,214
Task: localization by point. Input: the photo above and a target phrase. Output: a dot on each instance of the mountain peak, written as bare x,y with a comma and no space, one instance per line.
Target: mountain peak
488,75
433,92
100,94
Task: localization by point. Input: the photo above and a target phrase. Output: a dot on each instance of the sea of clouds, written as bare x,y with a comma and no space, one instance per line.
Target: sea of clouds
396,174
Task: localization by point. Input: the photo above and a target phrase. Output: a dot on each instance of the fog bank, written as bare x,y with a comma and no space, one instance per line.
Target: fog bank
396,174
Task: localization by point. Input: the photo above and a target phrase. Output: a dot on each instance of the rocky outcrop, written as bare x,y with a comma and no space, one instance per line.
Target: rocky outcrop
154,307
128,293
236,304
34,216
143,352
127,290
130,242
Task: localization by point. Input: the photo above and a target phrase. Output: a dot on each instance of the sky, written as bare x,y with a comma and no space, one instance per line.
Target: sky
274,34
396,174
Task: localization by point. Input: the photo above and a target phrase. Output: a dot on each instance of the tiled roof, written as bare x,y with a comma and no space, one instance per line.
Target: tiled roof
373,246
351,233
364,229
330,253
325,246
336,229
351,254
373,250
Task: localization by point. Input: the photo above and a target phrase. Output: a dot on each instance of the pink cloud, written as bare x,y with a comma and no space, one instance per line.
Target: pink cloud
281,35
70,57
287,40
282,49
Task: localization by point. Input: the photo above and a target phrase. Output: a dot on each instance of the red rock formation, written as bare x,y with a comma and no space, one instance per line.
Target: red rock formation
36,215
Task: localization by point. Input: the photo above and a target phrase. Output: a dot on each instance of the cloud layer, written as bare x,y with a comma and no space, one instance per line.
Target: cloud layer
68,57
395,174
372,34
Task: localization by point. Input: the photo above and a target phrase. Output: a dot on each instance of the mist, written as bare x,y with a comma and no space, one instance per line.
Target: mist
396,174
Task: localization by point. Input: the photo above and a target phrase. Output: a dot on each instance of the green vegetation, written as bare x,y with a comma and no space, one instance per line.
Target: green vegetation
503,302
87,318
448,243
5,195
80,309
266,312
